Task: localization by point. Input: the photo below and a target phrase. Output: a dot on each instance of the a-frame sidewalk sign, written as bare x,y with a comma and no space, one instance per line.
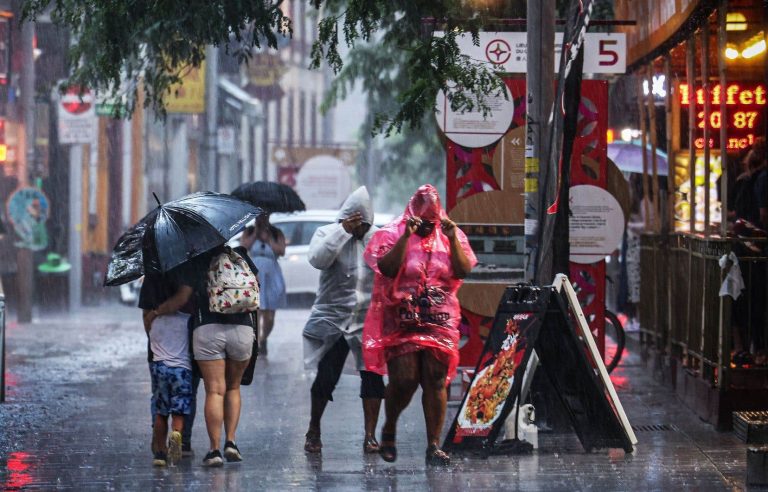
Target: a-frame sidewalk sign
540,326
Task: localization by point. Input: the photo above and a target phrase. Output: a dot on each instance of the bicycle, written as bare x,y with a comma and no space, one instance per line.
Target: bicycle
618,337
615,337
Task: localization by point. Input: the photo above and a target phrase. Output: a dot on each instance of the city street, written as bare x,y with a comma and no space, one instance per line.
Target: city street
77,417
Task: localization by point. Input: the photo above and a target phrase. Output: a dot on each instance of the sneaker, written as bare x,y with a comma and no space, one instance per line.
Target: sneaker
213,459
174,447
159,459
186,450
231,452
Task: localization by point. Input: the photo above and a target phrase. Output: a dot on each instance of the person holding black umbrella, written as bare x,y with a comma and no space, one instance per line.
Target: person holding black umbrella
266,243
222,344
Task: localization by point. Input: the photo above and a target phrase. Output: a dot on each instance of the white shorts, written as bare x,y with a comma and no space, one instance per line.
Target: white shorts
216,341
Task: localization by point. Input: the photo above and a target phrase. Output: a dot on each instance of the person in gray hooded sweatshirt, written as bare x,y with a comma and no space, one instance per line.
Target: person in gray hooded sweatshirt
335,325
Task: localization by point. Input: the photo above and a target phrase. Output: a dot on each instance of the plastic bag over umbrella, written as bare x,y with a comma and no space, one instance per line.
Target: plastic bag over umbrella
176,232
270,196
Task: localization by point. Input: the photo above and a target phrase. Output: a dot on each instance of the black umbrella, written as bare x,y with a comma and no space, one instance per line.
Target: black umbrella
176,232
270,196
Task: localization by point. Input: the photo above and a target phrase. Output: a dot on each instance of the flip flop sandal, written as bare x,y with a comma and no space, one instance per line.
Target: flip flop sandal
436,456
387,451
370,445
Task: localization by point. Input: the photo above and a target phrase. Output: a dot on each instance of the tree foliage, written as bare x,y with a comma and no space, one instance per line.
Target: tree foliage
155,40
404,160
119,41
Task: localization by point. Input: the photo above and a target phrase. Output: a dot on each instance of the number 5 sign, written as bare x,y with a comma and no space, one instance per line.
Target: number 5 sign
603,52
608,57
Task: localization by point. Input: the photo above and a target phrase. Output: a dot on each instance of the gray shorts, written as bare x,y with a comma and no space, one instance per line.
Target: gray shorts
216,341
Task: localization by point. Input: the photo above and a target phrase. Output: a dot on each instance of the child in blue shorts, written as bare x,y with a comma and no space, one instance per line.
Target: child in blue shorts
171,367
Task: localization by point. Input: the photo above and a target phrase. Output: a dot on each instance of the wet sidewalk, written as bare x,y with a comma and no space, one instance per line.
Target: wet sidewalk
77,417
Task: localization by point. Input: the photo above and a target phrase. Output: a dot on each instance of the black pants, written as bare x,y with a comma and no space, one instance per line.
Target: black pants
329,371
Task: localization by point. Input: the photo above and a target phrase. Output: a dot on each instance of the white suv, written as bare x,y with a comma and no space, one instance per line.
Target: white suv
300,276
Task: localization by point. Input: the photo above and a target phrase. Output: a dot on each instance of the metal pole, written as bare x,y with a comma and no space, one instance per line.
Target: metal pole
707,119
690,68
74,245
644,145
654,164
721,44
2,343
668,220
25,272
208,166
540,95
724,342
265,141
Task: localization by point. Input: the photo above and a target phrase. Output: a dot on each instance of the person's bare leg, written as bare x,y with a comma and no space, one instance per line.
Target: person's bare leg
434,400
232,403
160,434
174,442
371,408
403,381
434,397
215,389
266,323
177,422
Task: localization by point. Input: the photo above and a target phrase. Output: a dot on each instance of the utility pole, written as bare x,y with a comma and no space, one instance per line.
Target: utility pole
540,94
208,167
74,245
25,273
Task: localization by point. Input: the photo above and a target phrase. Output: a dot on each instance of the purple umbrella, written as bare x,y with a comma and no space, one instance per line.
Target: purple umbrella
629,158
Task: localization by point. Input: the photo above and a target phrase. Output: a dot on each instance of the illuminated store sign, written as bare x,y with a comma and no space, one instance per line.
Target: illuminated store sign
745,104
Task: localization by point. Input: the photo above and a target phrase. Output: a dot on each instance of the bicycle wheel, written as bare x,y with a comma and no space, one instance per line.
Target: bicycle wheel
615,341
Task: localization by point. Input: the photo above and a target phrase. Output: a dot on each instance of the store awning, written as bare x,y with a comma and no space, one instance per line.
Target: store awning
241,100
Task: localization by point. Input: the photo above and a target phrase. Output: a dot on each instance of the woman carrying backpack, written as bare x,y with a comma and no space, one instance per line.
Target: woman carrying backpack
226,298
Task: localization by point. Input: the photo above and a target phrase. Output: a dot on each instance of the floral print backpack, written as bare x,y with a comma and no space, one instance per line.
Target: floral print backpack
232,286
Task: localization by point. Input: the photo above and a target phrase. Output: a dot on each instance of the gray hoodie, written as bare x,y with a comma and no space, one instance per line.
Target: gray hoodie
345,283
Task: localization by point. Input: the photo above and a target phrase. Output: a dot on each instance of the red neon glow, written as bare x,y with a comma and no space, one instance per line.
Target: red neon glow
734,143
18,466
738,119
735,94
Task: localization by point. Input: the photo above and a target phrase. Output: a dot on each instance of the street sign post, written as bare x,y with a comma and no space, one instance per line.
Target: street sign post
77,116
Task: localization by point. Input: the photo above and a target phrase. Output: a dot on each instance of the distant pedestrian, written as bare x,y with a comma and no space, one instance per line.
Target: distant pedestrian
223,343
412,327
751,192
335,324
266,243
161,299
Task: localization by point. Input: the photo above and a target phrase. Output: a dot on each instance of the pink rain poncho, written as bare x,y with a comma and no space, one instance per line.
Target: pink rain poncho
417,310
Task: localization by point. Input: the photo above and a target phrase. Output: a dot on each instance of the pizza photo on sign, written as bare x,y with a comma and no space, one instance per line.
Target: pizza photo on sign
491,386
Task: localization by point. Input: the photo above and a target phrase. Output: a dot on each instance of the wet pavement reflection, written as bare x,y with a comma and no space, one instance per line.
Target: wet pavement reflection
78,417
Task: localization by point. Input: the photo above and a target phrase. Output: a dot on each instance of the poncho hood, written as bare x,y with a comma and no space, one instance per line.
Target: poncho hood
358,201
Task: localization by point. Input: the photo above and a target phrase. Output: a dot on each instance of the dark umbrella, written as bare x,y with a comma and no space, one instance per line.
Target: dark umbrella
270,196
175,232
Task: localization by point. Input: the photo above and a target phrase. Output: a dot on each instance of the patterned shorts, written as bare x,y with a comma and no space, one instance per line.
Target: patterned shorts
171,389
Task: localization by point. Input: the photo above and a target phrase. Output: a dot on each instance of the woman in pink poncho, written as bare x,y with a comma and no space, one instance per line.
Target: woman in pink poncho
411,330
